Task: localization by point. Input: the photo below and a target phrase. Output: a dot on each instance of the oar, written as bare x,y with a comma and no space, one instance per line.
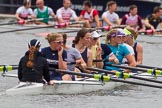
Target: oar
23,21
150,71
105,78
124,75
149,31
151,67
6,68
48,26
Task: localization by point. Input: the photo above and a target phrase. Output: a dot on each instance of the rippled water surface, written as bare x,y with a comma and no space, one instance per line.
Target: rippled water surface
12,48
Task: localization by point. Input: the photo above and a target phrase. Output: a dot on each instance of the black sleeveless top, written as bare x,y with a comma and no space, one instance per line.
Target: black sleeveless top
135,51
83,54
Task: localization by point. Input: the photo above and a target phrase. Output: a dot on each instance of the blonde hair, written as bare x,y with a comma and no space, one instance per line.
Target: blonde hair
108,35
52,37
133,32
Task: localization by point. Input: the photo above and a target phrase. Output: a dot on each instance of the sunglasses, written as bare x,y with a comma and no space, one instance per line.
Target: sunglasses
118,36
95,39
58,42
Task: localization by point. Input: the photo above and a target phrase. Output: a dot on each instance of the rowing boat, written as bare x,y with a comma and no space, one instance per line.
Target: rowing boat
80,86
61,87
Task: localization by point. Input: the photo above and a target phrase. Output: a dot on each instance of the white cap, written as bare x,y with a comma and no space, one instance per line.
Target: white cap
94,34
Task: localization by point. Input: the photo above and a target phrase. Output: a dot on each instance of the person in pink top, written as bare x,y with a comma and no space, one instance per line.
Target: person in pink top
23,12
65,13
132,18
89,15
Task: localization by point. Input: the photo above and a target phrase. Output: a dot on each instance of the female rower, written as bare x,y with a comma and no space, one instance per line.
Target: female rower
74,57
99,50
130,49
138,49
56,56
33,66
113,39
24,11
81,42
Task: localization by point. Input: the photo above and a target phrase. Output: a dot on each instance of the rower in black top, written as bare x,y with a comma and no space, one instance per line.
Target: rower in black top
33,66
154,19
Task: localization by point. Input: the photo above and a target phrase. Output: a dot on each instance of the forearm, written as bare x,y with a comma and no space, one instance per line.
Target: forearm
99,64
62,64
17,17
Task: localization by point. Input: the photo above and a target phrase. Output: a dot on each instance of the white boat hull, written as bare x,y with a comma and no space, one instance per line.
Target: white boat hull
60,87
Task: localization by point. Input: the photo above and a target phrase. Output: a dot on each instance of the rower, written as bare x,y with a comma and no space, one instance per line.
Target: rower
33,66
73,57
81,42
153,20
110,18
132,18
65,13
24,12
44,12
130,48
89,15
114,41
56,56
137,47
100,50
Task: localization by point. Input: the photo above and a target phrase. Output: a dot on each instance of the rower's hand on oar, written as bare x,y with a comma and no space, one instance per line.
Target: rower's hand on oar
79,64
21,22
51,82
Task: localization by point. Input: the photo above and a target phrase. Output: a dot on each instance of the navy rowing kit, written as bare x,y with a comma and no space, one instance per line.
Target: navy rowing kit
52,59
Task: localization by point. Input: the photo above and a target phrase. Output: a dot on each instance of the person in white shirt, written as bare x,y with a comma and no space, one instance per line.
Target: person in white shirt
110,18
44,12
24,11
65,13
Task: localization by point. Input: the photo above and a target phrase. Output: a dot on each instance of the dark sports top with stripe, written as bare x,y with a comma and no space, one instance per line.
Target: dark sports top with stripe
52,58
154,21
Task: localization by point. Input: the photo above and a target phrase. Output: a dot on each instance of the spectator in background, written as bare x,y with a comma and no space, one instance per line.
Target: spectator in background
132,18
109,17
89,15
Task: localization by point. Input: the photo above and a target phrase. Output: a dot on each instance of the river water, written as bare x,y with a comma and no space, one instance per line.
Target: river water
13,46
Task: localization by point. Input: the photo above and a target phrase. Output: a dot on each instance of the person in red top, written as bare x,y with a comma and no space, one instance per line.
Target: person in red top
132,18
89,15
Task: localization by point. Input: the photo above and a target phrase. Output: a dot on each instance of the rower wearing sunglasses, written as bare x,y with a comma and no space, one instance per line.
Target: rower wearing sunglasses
137,47
100,50
56,56
114,41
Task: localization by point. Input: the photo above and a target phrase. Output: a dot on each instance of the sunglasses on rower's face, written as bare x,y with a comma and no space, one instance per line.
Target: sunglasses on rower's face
95,39
58,42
